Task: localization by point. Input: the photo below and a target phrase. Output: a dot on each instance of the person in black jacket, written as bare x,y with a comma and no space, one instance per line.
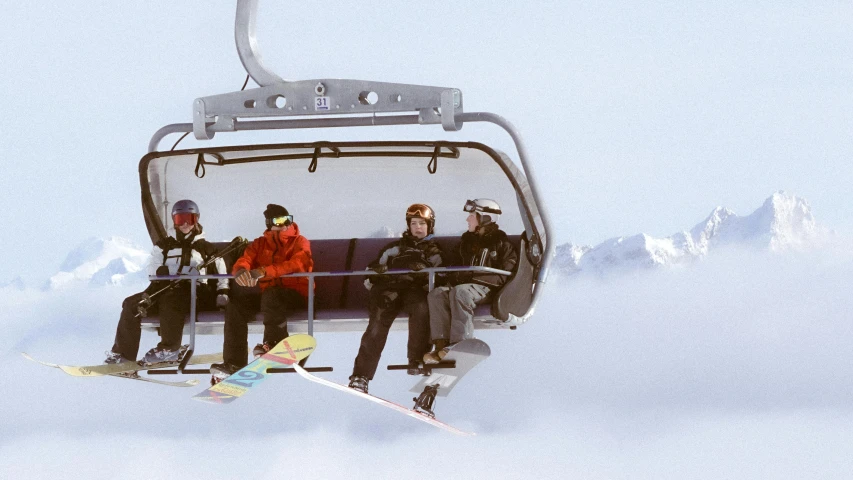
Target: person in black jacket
390,294
181,254
451,307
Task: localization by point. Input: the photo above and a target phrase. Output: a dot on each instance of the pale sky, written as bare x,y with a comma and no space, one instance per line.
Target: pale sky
638,118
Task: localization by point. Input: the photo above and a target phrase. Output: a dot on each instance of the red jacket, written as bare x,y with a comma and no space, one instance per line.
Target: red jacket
280,253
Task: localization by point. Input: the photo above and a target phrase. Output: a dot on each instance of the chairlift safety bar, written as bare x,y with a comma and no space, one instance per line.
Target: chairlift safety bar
311,275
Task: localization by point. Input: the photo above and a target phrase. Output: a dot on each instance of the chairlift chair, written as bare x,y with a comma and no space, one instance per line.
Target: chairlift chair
342,193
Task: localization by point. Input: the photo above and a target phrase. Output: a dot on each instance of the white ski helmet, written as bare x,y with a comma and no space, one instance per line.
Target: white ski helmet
488,209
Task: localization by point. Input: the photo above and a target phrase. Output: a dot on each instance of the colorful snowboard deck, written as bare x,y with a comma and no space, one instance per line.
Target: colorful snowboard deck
287,353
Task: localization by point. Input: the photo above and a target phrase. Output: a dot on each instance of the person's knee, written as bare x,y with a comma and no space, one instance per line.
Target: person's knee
462,295
438,297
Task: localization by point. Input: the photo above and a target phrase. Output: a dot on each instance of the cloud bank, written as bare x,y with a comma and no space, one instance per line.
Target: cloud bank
737,367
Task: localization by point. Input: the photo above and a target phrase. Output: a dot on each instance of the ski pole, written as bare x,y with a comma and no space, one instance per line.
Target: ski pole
147,301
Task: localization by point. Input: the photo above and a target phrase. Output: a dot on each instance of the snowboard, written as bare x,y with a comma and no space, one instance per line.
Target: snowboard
466,355
132,375
114,368
381,401
287,352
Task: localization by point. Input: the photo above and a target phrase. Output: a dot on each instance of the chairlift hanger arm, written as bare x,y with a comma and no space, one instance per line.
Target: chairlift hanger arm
434,105
280,98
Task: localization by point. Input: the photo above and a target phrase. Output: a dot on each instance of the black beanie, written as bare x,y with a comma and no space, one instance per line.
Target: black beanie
274,211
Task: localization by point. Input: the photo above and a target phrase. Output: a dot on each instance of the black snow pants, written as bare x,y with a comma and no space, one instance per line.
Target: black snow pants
383,310
276,303
172,306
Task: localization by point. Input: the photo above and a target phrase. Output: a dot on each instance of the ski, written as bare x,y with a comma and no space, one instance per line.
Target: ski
287,352
131,375
103,369
381,401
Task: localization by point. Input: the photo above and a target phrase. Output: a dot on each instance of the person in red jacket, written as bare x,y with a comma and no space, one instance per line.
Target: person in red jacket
281,250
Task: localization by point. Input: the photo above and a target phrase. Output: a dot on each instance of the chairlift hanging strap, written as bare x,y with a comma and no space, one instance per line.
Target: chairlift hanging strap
433,163
199,165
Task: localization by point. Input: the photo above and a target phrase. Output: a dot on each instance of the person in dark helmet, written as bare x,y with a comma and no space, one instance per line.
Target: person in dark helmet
391,294
181,254
279,251
451,307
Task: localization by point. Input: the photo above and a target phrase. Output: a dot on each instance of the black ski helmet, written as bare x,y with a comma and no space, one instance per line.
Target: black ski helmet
277,211
421,210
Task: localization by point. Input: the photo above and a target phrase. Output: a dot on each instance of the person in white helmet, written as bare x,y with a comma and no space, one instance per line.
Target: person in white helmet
182,254
451,307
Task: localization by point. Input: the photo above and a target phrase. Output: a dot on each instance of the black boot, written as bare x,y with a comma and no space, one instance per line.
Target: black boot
357,382
221,371
424,403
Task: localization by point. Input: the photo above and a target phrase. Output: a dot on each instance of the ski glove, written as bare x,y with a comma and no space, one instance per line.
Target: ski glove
379,267
144,304
249,278
221,299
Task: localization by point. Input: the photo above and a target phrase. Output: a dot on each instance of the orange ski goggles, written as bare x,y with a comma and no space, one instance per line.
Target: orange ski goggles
182,218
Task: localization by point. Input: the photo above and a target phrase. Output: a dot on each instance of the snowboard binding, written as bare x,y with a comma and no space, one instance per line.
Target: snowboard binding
424,403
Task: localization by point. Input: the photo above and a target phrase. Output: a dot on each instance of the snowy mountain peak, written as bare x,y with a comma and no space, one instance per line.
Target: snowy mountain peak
99,261
16,283
783,222
385,232
791,223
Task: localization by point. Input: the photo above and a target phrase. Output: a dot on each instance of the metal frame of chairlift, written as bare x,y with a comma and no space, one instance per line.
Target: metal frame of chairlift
329,103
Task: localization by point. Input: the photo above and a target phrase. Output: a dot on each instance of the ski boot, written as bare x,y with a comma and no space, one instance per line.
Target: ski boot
441,350
358,383
165,356
221,371
414,368
436,356
113,358
424,403
262,348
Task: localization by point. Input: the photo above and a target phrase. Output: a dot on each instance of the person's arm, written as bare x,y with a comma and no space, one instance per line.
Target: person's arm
247,260
156,260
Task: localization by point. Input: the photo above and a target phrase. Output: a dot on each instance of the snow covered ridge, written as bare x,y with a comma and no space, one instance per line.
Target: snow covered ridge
16,283
96,261
386,232
783,223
